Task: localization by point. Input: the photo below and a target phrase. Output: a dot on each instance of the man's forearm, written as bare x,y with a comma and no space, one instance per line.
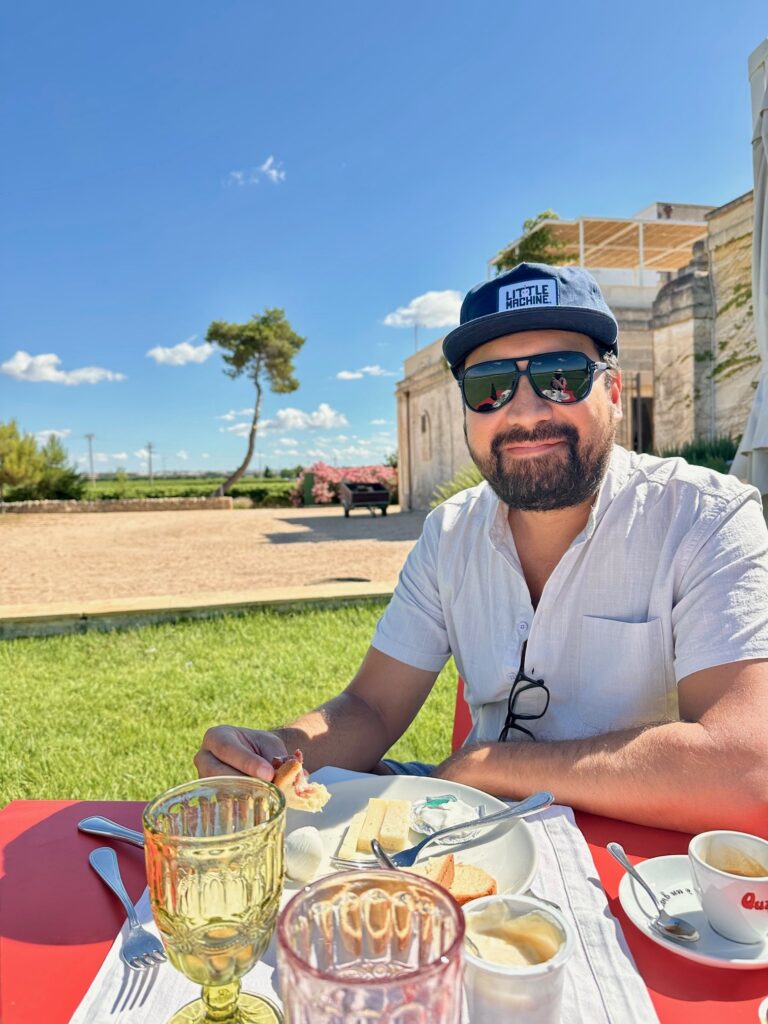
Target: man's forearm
345,732
673,775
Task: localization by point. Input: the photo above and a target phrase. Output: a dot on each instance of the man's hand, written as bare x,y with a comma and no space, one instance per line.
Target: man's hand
228,750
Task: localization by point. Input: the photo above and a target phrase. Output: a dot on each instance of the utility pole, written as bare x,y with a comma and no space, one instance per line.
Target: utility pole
150,449
89,438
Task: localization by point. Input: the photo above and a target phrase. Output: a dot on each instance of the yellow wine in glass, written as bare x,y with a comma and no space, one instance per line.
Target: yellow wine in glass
214,852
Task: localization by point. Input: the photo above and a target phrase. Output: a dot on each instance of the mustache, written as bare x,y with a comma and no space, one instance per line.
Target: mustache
544,432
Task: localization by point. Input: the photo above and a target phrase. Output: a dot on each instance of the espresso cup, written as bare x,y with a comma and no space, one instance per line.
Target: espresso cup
726,870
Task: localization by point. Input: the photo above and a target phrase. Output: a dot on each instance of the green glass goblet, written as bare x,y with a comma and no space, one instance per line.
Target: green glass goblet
214,853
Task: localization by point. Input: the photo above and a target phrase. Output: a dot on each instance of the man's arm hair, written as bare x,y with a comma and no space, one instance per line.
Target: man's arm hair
356,729
709,770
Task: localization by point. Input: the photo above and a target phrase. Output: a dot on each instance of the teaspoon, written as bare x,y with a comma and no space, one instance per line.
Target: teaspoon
664,923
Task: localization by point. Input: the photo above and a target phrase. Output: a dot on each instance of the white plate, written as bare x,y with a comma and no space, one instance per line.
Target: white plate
670,879
507,851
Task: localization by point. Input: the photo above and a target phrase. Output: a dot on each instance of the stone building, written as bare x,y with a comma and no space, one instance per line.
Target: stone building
678,280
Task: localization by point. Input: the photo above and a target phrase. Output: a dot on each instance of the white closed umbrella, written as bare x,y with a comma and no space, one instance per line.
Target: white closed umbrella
751,462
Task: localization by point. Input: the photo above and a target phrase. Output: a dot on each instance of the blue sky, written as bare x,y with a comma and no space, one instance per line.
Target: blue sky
168,164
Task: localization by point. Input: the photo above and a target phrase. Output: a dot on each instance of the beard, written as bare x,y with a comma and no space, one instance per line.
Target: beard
558,479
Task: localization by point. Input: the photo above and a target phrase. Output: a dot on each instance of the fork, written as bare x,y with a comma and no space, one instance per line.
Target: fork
140,950
536,802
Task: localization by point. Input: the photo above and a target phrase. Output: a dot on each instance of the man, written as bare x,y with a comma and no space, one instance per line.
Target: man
608,611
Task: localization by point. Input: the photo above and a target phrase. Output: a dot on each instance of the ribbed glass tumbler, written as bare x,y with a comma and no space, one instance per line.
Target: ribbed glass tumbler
371,947
214,853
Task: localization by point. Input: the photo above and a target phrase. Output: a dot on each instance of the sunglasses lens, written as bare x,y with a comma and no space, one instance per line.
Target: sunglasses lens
561,376
489,390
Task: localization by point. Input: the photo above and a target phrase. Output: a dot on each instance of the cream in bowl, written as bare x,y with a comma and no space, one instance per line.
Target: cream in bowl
516,959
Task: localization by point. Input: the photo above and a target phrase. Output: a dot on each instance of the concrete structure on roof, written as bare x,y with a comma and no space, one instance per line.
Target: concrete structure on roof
677,277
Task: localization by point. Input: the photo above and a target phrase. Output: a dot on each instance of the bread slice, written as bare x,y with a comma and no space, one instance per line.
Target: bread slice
470,882
292,779
438,869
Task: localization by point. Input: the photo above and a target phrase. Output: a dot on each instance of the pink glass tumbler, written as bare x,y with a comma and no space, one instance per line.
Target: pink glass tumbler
371,947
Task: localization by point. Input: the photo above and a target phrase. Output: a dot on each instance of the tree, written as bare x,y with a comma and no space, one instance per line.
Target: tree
58,479
263,350
391,460
536,246
21,464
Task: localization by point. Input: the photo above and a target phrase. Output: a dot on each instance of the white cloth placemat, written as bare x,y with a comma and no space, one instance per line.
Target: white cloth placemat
602,985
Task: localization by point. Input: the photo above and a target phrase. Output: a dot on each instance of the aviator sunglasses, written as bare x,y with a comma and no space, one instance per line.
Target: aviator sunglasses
561,377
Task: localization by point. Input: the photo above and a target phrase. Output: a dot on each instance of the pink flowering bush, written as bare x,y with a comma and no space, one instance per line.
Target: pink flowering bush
325,489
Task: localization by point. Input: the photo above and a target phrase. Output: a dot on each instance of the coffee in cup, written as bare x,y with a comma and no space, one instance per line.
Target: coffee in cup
730,875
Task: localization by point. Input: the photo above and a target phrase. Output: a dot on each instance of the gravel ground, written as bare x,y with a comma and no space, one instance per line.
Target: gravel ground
97,556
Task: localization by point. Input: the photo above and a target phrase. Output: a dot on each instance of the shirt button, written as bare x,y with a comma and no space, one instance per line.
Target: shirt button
522,627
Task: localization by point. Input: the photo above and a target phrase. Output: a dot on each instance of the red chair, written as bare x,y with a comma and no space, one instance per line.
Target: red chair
462,719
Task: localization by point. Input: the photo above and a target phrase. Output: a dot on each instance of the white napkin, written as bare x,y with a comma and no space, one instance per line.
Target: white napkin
602,984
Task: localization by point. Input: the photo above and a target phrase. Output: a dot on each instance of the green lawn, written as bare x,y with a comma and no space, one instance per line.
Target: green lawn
120,715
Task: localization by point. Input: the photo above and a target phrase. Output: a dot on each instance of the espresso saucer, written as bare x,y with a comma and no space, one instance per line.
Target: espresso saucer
670,879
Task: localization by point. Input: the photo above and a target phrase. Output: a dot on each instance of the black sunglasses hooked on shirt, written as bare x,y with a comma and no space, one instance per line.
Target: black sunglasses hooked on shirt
561,377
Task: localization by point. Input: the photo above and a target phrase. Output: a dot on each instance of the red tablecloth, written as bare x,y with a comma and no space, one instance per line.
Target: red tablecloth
58,920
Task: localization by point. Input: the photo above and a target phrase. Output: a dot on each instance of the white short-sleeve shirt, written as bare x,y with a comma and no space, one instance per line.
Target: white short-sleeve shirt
669,576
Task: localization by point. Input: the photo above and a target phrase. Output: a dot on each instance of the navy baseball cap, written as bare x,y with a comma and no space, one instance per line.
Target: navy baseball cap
531,297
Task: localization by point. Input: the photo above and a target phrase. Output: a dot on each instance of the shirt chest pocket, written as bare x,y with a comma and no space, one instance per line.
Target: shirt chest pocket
621,681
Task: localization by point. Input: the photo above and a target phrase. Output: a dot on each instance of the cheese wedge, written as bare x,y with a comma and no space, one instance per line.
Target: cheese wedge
374,816
393,833
348,848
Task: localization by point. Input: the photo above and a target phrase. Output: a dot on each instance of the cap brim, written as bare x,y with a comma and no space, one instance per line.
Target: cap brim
462,340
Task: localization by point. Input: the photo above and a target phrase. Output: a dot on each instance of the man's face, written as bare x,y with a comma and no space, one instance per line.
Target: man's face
539,455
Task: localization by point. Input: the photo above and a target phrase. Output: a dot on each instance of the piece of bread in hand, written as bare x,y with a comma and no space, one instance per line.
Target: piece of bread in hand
300,793
470,882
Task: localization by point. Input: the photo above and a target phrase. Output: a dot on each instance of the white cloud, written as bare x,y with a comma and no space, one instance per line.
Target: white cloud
370,371
432,309
234,413
41,436
23,366
317,453
270,169
181,454
184,352
119,456
290,441
205,455
324,417
142,453
379,423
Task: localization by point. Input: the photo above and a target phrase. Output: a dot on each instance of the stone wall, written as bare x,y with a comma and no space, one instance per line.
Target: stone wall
682,352
430,422
122,505
736,364
706,360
